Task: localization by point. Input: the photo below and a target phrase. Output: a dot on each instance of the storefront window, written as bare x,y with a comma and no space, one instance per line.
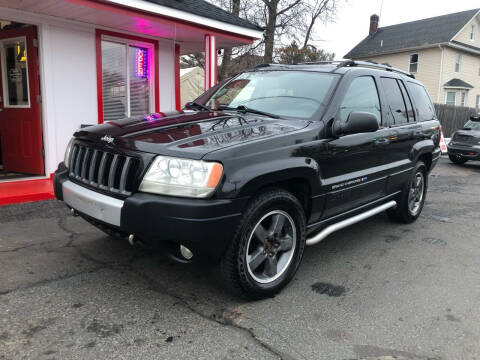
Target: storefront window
126,80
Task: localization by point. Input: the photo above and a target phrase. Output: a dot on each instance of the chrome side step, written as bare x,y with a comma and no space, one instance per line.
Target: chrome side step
350,221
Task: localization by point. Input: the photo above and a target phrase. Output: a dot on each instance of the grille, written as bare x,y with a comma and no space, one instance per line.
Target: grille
466,139
103,170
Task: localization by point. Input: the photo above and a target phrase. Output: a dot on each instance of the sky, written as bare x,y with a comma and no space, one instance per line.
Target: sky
353,19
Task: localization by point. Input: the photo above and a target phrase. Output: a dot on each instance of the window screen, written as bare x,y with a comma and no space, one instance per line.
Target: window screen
395,101
126,80
362,95
423,104
413,63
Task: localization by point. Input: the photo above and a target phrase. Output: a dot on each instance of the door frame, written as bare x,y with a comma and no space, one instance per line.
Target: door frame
49,141
38,85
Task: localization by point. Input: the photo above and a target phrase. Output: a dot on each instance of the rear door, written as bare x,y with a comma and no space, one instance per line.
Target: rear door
404,131
353,165
20,121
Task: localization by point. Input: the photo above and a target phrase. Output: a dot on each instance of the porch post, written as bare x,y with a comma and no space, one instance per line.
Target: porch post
210,61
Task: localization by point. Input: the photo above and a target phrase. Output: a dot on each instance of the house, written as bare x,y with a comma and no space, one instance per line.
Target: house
70,63
443,52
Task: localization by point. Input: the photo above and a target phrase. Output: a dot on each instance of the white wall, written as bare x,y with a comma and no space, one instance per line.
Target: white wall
70,85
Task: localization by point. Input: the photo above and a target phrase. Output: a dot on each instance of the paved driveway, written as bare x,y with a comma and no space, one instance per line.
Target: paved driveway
374,291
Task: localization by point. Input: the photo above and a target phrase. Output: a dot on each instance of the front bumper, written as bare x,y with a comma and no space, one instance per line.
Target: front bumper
470,152
206,226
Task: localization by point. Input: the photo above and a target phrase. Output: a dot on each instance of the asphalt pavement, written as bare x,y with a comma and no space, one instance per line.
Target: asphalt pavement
377,290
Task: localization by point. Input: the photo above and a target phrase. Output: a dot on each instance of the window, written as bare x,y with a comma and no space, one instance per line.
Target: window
362,95
464,99
472,33
395,100
408,101
126,79
451,98
15,69
423,104
413,68
477,102
458,63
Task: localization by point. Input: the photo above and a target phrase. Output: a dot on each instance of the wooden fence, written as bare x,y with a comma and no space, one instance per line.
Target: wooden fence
453,117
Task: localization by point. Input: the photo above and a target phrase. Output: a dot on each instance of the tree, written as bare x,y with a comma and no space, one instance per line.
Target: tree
227,53
292,54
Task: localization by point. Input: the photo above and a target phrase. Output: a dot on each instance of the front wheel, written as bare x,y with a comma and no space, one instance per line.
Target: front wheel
457,159
412,199
268,246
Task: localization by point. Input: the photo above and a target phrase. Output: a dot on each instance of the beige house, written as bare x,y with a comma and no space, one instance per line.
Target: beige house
442,52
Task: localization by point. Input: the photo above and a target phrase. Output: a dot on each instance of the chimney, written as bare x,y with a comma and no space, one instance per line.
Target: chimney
373,24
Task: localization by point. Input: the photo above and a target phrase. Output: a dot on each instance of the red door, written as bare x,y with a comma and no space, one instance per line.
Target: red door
20,121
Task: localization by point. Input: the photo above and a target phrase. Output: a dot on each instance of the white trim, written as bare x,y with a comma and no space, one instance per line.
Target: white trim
210,61
465,26
440,77
186,16
457,87
6,100
464,48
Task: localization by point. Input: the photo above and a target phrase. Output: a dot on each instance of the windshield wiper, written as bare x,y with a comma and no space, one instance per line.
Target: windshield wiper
194,104
244,109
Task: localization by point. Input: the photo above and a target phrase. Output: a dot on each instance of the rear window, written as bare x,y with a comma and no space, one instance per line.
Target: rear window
423,104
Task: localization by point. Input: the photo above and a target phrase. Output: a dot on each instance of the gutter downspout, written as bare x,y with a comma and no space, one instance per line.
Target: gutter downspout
440,78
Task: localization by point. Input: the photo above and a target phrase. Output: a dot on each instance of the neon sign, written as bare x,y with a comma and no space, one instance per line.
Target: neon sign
141,62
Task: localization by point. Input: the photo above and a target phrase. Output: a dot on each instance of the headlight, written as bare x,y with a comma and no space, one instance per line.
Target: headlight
181,177
66,158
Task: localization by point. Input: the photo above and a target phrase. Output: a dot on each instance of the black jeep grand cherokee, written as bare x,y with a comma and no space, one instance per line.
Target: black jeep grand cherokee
275,159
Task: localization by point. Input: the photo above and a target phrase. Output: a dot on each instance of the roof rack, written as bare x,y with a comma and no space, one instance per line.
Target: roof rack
374,65
353,63
348,63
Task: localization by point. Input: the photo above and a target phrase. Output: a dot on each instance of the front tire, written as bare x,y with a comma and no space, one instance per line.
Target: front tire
412,199
268,246
457,159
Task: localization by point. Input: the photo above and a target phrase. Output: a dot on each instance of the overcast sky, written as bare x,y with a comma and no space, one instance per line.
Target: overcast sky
353,19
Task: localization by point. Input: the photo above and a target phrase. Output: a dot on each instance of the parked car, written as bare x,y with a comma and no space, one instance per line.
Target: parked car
275,159
465,143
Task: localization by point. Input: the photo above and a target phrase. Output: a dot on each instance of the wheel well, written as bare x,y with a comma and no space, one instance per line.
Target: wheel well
300,188
427,159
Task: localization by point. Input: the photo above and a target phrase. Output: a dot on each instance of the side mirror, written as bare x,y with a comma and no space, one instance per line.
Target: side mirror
357,122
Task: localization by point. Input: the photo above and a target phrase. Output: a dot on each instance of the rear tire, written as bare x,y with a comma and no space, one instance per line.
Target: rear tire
457,159
268,246
412,198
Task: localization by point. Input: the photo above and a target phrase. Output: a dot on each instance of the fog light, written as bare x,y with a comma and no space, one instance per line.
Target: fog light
186,253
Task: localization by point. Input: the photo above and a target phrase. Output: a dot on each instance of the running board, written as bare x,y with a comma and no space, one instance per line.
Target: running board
350,221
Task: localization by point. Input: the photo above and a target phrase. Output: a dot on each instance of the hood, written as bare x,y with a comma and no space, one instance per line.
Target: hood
188,134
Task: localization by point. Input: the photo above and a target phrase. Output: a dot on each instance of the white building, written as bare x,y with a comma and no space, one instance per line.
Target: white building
68,63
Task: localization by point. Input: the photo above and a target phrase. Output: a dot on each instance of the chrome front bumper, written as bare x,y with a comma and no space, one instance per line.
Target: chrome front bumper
101,207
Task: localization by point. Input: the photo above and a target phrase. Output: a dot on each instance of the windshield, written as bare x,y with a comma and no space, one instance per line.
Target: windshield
474,125
297,94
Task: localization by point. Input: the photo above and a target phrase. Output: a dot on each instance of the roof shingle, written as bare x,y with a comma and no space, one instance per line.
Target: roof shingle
457,83
412,34
205,9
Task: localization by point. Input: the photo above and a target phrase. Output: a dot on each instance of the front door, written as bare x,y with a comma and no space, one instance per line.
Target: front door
20,121
353,166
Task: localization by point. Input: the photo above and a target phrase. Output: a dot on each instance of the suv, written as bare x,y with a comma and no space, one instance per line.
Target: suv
272,160
465,143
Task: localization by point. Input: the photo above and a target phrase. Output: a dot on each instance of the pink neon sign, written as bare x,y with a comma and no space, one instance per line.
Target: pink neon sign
141,62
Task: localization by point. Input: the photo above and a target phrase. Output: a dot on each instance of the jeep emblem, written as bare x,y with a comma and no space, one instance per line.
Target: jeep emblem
108,139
